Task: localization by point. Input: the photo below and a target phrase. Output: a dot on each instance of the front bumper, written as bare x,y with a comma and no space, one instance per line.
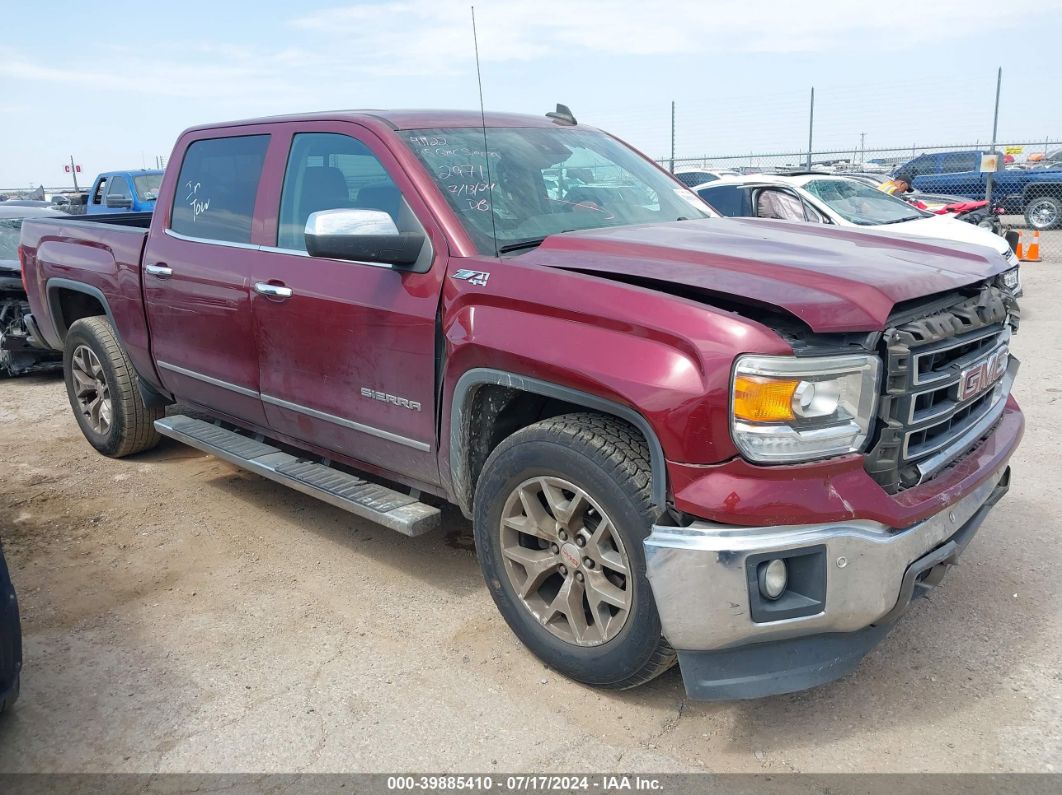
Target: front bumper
859,576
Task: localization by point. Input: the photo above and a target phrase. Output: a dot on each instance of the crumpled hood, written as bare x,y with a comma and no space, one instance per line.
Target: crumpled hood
833,279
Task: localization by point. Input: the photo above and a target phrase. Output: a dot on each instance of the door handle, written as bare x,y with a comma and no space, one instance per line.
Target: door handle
161,270
275,291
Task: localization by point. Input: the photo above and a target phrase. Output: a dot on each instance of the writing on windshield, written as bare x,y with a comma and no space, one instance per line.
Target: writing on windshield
533,182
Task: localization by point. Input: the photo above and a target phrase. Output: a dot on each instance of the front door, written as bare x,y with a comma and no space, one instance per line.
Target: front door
347,349
197,275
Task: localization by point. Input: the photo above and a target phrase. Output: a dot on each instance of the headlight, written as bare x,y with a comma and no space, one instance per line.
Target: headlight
1011,280
785,408
1012,258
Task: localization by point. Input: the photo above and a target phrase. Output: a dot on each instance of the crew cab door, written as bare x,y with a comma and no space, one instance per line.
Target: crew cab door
197,273
347,351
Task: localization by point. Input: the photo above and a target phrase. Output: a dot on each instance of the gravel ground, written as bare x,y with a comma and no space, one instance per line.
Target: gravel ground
181,615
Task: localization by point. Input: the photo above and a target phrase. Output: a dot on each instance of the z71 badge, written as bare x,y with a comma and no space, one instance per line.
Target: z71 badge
478,278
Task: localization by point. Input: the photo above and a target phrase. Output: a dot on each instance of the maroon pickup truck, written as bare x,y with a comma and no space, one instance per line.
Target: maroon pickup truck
744,445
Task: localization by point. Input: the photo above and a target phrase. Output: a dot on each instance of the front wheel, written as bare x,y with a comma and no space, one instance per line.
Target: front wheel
1044,212
101,385
561,510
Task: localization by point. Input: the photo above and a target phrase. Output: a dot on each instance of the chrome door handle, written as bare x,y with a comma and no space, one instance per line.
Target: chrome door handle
272,290
160,270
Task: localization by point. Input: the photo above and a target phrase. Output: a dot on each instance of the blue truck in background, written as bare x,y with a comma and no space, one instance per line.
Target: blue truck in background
124,192
1036,194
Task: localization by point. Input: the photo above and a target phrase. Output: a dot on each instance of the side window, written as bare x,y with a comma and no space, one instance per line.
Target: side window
923,164
729,200
813,215
119,188
330,171
217,186
959,162
97,195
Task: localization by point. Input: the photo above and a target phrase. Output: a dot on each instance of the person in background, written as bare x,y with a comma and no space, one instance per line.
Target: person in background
897,185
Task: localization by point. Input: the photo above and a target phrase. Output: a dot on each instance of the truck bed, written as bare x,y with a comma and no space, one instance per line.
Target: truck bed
70,261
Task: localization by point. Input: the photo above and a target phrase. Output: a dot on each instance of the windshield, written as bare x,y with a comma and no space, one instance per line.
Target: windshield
9,232
147,186
545,181
860,203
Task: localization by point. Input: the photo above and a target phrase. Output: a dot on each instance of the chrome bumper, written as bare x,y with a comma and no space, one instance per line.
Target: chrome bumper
704,591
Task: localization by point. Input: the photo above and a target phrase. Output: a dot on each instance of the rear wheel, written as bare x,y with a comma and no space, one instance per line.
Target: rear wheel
561,510
1043,212
101,386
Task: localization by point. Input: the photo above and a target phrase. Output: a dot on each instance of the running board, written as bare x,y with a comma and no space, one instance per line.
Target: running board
382,505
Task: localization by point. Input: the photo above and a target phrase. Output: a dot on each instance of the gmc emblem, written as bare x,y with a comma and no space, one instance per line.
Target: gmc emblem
977,378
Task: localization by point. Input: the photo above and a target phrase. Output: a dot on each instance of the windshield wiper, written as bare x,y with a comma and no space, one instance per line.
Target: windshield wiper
901,220
519,245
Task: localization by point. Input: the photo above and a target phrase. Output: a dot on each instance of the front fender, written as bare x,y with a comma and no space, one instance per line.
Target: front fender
660,361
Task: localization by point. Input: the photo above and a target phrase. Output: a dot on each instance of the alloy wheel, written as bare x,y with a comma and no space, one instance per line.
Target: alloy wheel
91,390
1043,214
566,561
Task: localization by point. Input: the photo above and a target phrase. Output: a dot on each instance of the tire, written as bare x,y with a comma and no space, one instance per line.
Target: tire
1043,212
607,461
92,351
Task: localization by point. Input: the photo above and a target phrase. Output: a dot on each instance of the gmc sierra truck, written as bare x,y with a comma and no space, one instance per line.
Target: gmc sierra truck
741,444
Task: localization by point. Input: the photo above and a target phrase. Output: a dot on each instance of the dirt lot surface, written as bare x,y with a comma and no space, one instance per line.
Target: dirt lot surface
181,615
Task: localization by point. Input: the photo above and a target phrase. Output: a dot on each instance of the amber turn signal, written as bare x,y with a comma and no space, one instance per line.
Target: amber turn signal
758,399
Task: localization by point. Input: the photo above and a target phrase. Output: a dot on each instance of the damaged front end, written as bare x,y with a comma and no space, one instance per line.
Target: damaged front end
21,352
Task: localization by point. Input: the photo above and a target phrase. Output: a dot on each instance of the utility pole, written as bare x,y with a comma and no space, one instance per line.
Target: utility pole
73,173
672,136
811,125
995,128
862,149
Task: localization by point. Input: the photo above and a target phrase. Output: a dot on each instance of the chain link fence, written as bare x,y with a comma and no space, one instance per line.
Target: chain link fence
1021,182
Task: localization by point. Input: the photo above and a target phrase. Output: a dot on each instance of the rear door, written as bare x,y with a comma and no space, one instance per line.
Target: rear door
197,273
347,361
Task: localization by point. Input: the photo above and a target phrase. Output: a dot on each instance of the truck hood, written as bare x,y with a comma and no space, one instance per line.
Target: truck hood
832,279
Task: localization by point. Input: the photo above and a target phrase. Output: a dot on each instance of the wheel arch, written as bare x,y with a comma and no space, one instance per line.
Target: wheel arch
468,452
66,312
1035,190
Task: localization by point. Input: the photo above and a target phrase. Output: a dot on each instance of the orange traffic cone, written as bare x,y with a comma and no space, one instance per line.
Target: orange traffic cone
1019,250
1033,252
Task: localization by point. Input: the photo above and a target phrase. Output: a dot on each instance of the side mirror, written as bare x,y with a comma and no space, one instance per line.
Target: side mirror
119,202
361,236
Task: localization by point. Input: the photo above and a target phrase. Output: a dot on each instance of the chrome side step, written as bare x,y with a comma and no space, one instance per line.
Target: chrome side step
382,505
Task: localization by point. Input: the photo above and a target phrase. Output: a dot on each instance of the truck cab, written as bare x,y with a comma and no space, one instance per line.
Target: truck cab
124,192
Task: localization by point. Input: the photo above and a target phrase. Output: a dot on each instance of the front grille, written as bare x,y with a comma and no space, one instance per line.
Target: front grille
924,425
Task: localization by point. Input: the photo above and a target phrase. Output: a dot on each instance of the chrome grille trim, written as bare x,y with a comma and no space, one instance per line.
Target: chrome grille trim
957,367
923,427
927,467
958,342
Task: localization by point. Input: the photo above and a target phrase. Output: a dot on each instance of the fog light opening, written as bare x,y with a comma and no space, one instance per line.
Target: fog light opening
773,577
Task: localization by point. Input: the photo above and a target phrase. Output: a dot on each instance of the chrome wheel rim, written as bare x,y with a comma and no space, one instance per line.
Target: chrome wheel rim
565,561
1043,214
90,389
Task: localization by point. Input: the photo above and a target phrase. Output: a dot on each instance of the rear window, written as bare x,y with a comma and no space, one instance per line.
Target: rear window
217,186
691,179
730,200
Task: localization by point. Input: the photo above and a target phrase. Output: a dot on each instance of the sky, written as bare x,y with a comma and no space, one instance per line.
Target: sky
114,83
